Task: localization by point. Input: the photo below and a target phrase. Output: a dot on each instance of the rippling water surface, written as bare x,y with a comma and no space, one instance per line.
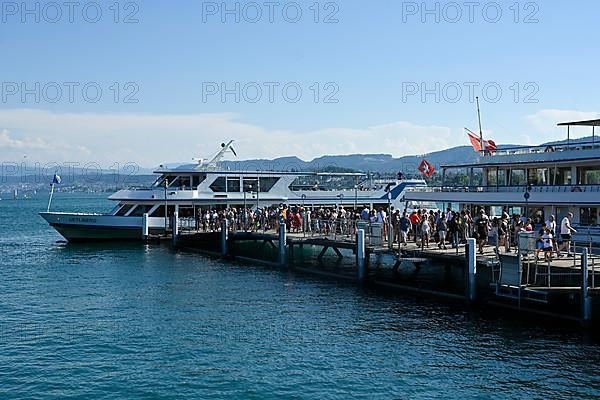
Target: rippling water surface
135,321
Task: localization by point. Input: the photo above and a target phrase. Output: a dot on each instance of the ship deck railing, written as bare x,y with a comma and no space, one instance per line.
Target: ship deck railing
591,188
547,148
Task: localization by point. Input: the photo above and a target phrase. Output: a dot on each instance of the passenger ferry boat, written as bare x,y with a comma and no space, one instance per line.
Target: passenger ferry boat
192,188
538,181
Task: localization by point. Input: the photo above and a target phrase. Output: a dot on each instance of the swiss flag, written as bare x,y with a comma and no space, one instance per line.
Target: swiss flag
490,145
426,168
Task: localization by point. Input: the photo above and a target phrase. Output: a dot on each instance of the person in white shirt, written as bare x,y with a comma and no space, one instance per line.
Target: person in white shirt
565,233
425,232
449,215
551,225
548,246
381,215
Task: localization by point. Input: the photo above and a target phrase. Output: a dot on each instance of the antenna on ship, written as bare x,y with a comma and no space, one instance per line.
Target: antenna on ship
480,130
225,147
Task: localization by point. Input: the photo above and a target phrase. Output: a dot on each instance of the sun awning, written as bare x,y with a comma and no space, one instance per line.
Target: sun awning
593,122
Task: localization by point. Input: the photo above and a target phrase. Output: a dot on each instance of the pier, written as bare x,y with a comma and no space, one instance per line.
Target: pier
563,288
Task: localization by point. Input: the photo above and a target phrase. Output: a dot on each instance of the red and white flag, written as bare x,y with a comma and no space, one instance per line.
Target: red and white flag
489,145
426,168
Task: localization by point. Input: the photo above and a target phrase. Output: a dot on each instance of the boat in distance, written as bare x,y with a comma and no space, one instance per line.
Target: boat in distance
190,189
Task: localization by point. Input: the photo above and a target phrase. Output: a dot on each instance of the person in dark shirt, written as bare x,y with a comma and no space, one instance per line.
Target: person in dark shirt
442,229
482,229
405,227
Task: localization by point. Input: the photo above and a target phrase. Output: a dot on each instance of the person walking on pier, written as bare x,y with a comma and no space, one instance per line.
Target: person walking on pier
415,222
454,226
540,244
566,230
551,225
482,229
441,229
467,225
405,227
548,241
395,221
425,231
365,213
503,235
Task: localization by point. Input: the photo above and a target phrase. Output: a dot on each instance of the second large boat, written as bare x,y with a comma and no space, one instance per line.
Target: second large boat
191,189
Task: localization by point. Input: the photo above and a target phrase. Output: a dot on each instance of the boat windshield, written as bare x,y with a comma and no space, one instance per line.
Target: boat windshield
180,182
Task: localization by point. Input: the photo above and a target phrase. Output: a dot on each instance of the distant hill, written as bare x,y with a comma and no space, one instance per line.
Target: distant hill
383,163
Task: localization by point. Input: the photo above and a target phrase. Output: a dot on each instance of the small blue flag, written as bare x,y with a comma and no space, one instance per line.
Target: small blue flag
56,180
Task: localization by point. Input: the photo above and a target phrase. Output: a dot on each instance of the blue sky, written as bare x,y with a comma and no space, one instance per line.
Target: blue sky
366,62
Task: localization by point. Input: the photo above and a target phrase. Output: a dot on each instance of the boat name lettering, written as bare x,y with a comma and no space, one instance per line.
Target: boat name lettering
82,219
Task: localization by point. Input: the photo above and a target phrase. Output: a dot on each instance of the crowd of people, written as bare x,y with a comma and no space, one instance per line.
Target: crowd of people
424,227
454,228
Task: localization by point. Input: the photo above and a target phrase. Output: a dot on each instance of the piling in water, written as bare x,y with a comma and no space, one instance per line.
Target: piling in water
145,229
471,271
360,256
224,238
282,246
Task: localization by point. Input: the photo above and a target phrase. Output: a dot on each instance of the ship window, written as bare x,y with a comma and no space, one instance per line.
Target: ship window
517,177
477,178
492,178
197,180
501,177
537,176
588,216
589,176
161,180
124,210
159,212
140,210
563,176
267,183
233,185
181,182
218,185
251,184
458,176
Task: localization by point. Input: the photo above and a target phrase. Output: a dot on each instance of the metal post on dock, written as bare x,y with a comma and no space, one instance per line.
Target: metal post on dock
586,302
145,229
390,232
175,226
282,245
456,241
224,237
471,270
360,255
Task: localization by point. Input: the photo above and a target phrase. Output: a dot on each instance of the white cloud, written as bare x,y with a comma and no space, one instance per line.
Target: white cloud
545,124
150,139
8,142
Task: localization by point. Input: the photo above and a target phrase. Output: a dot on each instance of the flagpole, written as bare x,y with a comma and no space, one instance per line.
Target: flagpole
480,130
50,198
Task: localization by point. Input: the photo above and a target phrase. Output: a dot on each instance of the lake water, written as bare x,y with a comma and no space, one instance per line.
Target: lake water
138,321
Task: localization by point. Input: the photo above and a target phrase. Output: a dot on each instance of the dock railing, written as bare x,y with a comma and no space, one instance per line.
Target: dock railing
345,229
555,273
